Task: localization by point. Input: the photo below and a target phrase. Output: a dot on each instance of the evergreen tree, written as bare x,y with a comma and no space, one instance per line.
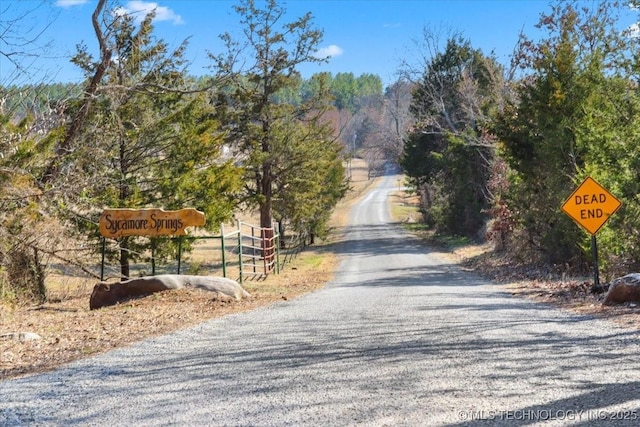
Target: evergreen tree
572,116
311,179
27,237
149,140
448,155
277,141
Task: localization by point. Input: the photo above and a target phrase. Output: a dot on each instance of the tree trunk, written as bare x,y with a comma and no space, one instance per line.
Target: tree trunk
124,259
38,273
283,244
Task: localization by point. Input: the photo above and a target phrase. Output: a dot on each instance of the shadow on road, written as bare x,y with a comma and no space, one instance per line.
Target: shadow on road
322,356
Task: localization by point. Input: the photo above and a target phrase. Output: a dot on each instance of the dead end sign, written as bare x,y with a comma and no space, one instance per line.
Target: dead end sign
590,205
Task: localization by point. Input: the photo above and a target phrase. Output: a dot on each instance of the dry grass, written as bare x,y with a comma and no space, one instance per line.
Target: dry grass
70,331
404,205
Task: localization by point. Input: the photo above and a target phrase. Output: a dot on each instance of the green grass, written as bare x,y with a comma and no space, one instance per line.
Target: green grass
405,211
311,261
453,242
404,206
417,227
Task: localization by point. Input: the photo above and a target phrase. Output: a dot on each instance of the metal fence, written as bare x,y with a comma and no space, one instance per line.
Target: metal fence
257,250
246,252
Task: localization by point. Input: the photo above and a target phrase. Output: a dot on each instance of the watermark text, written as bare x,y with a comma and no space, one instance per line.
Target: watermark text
546,415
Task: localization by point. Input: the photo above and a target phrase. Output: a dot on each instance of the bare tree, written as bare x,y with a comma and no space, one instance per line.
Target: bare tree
23,41
25,123
423,50
396,118
77,121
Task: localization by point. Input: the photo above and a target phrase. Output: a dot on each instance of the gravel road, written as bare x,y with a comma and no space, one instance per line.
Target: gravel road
402,337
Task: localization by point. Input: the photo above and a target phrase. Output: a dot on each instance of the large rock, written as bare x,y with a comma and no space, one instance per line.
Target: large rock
624,289
105,294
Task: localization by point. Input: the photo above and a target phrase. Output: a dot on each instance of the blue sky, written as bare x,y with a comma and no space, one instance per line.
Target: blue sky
364,36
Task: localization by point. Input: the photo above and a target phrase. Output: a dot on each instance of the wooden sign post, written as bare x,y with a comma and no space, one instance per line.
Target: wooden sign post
115,223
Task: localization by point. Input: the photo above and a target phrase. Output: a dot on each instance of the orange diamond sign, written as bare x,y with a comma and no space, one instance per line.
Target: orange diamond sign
590,205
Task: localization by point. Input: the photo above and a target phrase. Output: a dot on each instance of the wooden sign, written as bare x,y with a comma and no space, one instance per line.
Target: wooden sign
116,223
590,205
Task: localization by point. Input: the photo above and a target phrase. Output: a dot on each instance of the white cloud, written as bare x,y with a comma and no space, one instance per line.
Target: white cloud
329,52
633,30
140,9
70,3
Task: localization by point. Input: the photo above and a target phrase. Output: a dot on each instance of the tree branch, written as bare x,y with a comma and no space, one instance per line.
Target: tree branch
76,124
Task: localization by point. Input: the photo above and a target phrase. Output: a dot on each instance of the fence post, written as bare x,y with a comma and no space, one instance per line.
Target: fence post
224,260
179,253
153,259
278,250
104,248
253,248
240,249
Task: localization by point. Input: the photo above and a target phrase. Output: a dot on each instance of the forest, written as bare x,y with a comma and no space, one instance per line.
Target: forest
491,149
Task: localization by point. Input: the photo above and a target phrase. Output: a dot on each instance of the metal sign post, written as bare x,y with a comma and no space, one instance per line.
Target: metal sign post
594,254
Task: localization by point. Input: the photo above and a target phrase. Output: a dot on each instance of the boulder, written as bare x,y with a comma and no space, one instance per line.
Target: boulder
624,289
106,294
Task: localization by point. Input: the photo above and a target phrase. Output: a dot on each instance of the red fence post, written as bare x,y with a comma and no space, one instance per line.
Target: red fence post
267,248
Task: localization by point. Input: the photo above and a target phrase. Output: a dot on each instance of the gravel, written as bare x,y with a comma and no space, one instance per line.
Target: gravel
402,337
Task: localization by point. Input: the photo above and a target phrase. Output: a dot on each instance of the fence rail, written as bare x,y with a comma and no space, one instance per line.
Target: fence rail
257,249
245,252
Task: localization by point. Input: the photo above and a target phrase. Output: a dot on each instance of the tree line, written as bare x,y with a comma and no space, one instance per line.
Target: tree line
140,132
495,150
491,149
